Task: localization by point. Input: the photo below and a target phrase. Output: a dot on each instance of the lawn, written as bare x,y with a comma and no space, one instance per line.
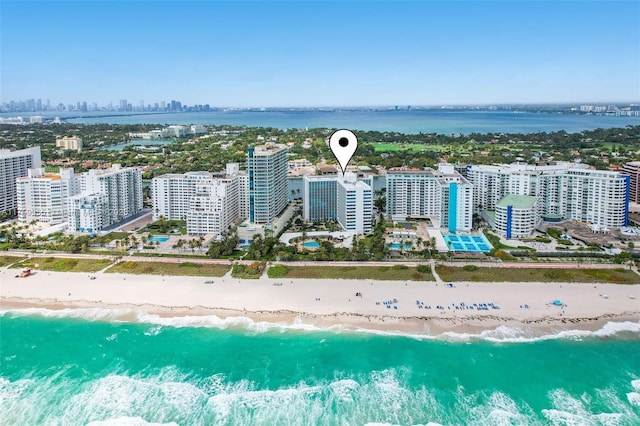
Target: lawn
60,264
8,260
164,268
413,147
488,274
396,272
111,236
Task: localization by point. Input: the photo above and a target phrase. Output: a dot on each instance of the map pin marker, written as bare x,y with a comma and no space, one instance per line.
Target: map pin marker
343,144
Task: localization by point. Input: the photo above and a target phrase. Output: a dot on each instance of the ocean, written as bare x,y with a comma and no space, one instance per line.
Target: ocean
414,121
104,367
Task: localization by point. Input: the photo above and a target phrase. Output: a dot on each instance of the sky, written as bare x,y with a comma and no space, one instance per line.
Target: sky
329,53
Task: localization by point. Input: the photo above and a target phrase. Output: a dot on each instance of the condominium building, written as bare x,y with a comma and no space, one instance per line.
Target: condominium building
214,208
516,216
443,195
354,204
563,190
43,197
172,193
110,195
88,213
632,169
69,142
209,202
320,195
13,165
268,185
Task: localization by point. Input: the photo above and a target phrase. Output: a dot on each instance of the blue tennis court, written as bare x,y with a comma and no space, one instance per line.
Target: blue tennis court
468,243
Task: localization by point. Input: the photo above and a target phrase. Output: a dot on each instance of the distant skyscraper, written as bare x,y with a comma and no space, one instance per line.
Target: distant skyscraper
268,186
13,165
123,104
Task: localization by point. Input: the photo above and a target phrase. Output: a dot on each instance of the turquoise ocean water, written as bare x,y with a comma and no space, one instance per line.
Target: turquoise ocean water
95,366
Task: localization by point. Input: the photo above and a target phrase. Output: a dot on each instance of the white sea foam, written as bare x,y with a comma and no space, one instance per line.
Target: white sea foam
501,334
504,334
379,398
89,314
127,421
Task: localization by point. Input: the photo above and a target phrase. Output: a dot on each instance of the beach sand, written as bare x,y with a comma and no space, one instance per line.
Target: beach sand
327,303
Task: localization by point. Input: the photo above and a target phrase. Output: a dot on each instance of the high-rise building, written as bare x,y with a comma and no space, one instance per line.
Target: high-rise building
43,197
563,190
319,199
443,195
123,105
268,185
214,208
209,202
354,204
632,169
13,165
115,194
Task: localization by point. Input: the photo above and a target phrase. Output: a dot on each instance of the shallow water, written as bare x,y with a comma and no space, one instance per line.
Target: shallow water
79,366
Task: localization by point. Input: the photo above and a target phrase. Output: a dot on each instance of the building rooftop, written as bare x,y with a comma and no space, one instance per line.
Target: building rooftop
517,201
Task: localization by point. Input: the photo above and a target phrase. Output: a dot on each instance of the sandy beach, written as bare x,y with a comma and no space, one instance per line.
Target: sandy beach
413,307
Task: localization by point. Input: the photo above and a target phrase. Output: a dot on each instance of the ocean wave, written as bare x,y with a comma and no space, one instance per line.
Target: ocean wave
127,421
378,398
500,334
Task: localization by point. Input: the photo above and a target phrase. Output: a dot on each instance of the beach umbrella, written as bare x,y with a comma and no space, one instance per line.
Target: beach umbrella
557,303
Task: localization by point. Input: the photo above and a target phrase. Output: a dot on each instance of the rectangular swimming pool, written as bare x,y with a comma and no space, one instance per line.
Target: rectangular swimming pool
467,243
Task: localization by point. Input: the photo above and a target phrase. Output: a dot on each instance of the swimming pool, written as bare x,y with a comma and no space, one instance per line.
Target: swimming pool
158,239
396,246
468,243
311,244
245,247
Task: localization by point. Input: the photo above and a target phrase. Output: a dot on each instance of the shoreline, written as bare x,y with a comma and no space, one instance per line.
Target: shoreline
331,304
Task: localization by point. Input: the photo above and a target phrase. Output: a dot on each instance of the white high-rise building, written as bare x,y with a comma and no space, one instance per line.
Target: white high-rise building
443,195
563,190
110,195
268,186
209,202
88,213
214,208
172,193
43,197
354,204
13,165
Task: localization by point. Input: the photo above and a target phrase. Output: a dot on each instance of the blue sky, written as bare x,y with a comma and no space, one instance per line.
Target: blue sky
321,53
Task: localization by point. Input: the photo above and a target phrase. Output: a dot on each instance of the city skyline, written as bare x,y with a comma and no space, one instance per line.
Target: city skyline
321,54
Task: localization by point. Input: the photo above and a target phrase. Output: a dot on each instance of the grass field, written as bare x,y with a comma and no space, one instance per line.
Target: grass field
413,147
8,260
487,274
163,268
397,272
59,264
